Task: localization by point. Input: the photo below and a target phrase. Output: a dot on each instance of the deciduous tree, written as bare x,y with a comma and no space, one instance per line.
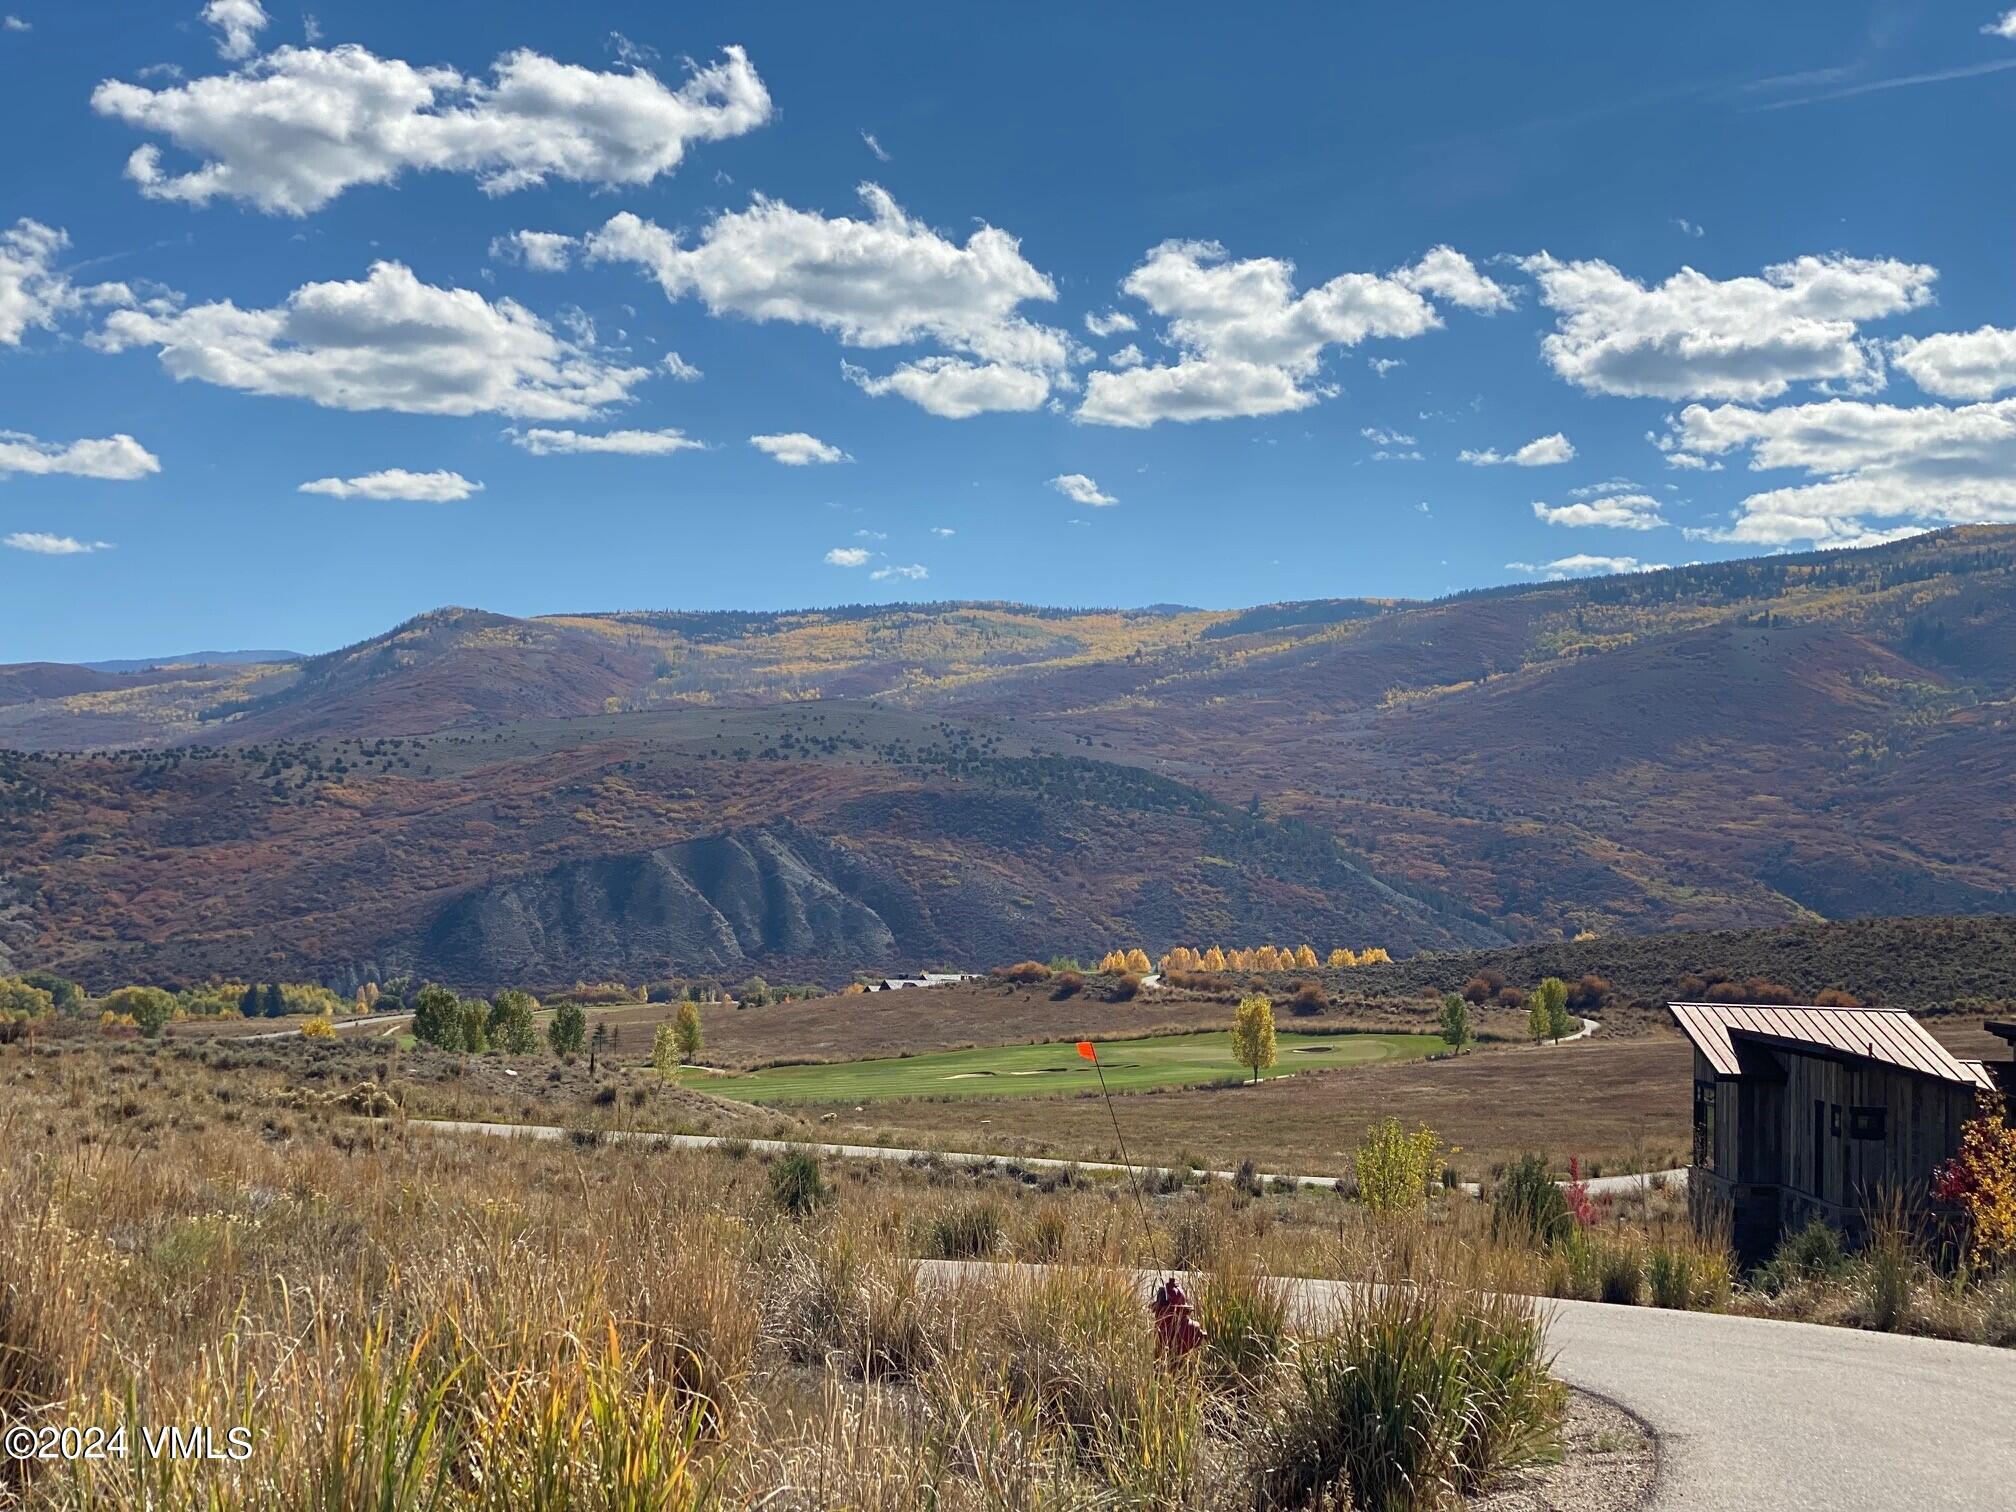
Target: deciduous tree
686,1031
1456,1033
568,1032
512,1027
1253,1034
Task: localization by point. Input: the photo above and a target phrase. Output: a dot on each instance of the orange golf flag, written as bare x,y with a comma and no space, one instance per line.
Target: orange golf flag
1085,1049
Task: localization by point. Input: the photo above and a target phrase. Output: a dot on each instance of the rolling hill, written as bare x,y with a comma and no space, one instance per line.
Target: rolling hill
1732,745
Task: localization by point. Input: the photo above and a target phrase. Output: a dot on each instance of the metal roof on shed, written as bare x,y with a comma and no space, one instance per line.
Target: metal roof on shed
1888,1035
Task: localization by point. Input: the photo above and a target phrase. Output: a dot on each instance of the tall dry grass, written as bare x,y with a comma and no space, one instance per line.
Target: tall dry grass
407,1321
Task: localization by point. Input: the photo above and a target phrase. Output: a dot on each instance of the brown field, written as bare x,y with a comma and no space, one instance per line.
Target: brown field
1612,1101
868,1025
1601,1100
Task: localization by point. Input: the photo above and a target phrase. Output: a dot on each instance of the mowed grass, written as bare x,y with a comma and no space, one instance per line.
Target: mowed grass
1132,1065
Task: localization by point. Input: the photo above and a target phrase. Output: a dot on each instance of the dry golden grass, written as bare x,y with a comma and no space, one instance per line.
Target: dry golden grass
407,1321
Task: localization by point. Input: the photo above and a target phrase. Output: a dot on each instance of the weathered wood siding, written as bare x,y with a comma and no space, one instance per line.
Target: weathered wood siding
1800,1136
1823,1159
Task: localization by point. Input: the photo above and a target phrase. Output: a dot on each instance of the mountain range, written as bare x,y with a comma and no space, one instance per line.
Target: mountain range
482,797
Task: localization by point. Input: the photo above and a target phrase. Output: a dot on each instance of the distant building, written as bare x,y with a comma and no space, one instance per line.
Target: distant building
1803,1113
928,979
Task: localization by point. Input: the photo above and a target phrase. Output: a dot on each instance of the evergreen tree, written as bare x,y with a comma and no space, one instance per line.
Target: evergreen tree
274,1001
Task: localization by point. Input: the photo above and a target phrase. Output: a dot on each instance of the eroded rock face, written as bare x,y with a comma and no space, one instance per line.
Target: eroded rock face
714,905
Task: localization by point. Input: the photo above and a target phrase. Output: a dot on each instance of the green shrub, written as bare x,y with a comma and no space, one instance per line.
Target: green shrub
796,1186
1620,1274
1049,1232
970,1231
1416,1399
1527,1204
1888,1273
1812,1254
1244,1315
1683,1276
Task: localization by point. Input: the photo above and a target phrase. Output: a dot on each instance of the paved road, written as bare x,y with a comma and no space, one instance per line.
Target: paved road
384,1022
1597,1185
1760,1416
1752,1415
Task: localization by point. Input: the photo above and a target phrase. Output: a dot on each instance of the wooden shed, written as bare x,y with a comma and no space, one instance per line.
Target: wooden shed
1803,1113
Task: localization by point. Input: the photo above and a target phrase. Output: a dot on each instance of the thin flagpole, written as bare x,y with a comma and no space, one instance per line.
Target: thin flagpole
1121,1140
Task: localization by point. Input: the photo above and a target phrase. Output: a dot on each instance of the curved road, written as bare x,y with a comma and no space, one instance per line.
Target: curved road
1753,1415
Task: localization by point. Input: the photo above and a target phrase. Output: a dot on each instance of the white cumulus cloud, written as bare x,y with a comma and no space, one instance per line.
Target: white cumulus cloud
914,572
1080,489
1449,275
1581,565
292,130
887,280
1874,472
44,544
2003,26
397,483
848,556
1960,364
118,457
1621,506
1250,344
543,441
237,24
541,251
797,449
387,341
1545,451
1744,338
34,292
955,389
1111,323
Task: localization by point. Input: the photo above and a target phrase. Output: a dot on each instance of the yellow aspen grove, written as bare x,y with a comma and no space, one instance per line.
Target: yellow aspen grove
1214,959
1342,957
1305,955
1374,957
1137,961
1269,959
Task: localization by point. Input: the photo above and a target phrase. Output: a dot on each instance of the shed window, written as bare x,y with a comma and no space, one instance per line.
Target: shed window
1868,1123
1704,1123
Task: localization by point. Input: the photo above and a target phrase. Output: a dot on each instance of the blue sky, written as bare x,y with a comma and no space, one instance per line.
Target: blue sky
1410,299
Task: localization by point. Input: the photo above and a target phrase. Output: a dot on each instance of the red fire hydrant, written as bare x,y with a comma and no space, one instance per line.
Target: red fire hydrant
1176,1331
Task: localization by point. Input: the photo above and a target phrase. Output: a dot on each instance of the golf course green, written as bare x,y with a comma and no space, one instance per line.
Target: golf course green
1133,1065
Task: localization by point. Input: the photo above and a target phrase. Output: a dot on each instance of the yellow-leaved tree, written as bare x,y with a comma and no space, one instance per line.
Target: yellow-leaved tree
1305,957
1981,1181
1214,959
1137,961
1395,1167
1253,1034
